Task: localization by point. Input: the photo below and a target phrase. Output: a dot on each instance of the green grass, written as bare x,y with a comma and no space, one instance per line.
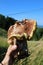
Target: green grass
36,53
34,47
3,42
3,47
3,33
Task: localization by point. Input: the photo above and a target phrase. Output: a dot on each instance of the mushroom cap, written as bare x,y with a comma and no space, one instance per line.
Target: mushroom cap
30,27
20,30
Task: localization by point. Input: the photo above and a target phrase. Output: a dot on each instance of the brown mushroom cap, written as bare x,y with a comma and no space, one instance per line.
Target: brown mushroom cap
30,27
18,30
15,31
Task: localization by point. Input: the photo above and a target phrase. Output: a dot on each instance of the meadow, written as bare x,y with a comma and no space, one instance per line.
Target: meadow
34,47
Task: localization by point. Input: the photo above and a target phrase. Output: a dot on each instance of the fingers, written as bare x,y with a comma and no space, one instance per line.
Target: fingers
14,47
11,48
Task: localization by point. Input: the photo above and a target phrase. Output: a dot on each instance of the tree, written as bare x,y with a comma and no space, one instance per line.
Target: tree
2,21
9,21
6,22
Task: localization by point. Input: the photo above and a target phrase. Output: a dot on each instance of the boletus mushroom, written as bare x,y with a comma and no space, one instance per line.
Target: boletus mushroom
20,30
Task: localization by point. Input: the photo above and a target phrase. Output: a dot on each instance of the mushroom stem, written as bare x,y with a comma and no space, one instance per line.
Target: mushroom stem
14,41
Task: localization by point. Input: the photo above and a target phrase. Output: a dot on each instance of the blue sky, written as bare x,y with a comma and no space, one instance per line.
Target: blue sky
21,9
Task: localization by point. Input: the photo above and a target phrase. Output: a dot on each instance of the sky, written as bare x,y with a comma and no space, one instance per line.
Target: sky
21,9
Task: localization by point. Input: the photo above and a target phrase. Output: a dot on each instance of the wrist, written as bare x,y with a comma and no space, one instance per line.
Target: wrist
5,60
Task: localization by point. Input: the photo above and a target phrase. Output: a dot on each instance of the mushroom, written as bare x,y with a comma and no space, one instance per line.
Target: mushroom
18,30
22,29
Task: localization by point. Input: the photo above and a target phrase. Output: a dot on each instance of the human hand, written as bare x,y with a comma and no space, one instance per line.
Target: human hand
10,55
12,50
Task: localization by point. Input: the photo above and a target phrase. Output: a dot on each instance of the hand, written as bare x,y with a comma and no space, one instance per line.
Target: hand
10,55
12,50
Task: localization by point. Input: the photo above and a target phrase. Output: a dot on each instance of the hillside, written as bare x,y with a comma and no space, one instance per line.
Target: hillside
36,54
35,57
3,43
34,47
3,33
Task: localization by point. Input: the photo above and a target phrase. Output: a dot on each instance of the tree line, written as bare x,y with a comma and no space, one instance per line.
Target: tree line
38,34
6,22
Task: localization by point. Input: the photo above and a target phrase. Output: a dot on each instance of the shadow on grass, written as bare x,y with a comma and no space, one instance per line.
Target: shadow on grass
2,52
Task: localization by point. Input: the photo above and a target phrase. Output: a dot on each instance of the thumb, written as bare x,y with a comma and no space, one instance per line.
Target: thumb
11,48
14,47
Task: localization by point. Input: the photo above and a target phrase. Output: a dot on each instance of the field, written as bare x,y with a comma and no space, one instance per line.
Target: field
34,47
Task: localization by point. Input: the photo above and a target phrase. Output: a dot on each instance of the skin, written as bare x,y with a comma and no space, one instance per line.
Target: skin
10,55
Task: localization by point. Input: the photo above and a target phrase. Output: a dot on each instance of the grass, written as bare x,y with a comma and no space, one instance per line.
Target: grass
36,53
34,47
3,43
3,47
3,33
